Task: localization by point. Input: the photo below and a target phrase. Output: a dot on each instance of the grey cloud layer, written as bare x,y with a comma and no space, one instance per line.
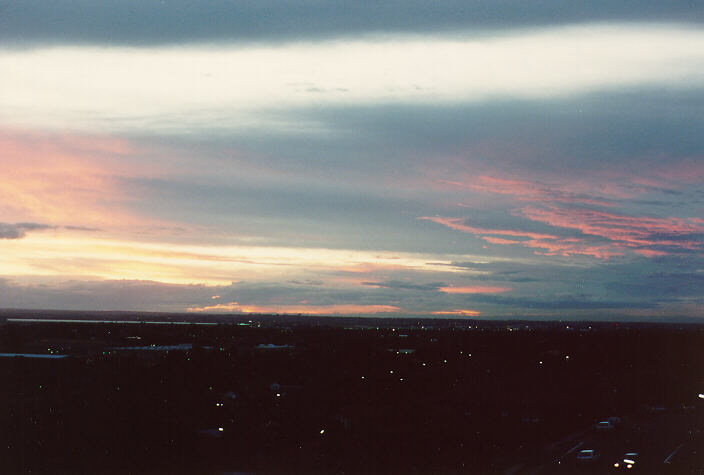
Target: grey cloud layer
137,22
19,230
360,176
564,298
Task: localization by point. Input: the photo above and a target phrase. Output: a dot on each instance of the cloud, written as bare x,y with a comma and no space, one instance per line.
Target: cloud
10,231
639,232
138,23
338,309
458,224
19,230
457,313
599,234
474,289
525,190
121,258
69,178
281,164
546,244
403,285
404,69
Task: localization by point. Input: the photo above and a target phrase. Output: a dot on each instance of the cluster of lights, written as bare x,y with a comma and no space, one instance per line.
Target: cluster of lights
629,463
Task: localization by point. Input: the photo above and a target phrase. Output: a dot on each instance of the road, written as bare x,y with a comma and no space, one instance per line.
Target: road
668,442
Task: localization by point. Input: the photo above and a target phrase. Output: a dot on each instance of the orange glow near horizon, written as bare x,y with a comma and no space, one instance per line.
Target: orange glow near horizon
460,313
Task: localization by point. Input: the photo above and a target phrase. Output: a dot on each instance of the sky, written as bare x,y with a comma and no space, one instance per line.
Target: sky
473,159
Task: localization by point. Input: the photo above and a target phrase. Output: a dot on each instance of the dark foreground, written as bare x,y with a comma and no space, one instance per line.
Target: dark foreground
288,397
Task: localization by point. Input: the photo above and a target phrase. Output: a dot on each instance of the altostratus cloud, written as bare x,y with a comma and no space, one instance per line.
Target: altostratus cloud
117,86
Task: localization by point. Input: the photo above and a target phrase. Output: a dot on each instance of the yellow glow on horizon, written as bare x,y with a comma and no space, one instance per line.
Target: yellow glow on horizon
461,313
338,309
57,253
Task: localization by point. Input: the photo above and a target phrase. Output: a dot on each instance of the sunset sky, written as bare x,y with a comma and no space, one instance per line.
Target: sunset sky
416,158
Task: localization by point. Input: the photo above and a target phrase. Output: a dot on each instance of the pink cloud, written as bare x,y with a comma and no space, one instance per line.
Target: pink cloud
552,244
525,190
650,252
495,240
626,231
688,171
621,232
458,224
568,247
67,179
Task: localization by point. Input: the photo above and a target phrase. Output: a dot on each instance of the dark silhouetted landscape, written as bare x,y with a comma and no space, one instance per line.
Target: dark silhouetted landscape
130,393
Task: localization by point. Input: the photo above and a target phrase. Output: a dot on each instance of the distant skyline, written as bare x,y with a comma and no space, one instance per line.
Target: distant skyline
479,159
